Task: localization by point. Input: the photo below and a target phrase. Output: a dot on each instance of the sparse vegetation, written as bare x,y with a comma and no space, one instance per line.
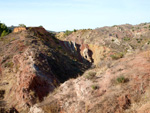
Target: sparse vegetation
121,79
94,87
9,64
148,42
67,32
90,75
74,30
6,58
126,39
40,26
4,30
117,56
22,25
138,40
52,108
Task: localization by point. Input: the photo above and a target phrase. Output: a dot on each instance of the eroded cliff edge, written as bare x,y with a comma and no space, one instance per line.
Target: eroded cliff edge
32,65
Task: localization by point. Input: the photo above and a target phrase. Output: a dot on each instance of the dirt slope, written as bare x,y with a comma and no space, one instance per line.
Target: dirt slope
33,64
121,87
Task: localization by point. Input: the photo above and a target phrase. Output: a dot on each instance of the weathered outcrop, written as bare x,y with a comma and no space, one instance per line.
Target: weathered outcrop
80,51
33,64
18,29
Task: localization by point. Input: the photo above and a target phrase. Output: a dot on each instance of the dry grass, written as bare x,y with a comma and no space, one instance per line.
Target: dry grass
9,64
90,75
117,56
51,108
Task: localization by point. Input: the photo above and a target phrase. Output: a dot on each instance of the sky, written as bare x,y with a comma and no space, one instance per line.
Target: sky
61,15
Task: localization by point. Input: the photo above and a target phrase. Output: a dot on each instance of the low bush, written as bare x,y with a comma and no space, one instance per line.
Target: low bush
121,79
4,30
90,75
51,108
117,56
94,87
126,39
67,32
9,64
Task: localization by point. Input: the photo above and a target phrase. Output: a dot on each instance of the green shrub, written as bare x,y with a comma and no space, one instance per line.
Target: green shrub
3,30
94,87
121,79
90,75
117,56
126,38
139,40
148,42
4,33
112,40
22,25
74,30
9,64
67,32
40,26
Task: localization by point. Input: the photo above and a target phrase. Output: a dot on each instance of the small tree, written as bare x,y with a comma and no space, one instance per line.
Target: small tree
68,32
4,33
74,30
40,26
22,25
4,30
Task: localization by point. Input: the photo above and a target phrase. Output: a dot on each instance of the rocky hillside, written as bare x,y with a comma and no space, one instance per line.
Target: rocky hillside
32,64
121,86
120,80
111,41
43,72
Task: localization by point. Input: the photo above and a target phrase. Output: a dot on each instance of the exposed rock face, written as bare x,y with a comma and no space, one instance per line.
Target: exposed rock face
92,53
33,64
18,29
35,109
99,53
31,79
80,52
